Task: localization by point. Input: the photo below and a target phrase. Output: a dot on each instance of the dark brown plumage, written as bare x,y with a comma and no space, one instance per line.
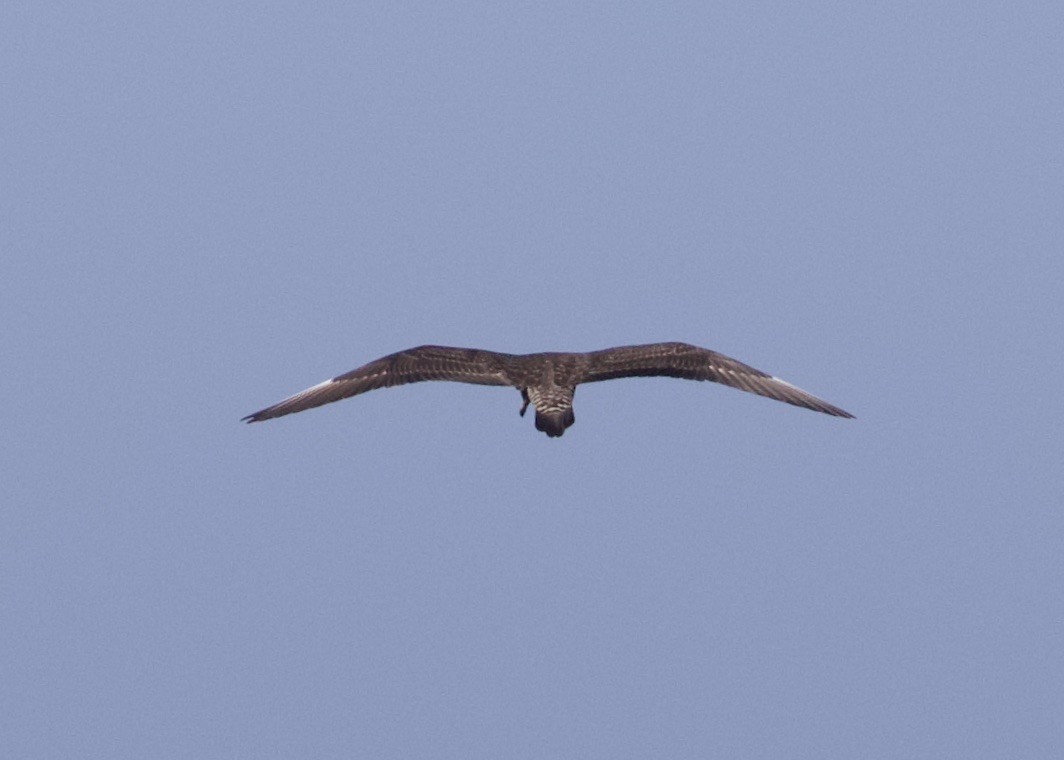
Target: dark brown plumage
547,381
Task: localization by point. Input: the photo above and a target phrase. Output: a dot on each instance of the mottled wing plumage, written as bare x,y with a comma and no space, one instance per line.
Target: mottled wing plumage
547,380
693,363
465,365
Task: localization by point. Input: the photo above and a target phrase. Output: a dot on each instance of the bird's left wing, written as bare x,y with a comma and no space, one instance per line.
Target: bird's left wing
465,365
695,363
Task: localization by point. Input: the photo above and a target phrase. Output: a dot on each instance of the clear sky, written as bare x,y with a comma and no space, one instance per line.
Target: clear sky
208,206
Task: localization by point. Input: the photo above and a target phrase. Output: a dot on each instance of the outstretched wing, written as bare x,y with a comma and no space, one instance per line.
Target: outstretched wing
464,365
694,363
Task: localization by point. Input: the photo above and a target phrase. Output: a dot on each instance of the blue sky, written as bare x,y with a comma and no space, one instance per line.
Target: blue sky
207,207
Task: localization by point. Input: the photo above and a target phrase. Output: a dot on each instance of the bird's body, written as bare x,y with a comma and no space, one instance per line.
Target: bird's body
547,381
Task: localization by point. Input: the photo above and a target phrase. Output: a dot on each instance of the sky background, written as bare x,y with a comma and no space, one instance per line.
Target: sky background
209,206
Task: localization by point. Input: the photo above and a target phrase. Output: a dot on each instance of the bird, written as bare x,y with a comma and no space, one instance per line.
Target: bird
547,381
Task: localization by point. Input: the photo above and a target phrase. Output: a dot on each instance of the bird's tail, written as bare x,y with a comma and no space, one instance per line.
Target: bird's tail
554,422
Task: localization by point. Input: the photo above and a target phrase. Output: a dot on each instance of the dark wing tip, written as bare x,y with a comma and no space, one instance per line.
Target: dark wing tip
791,394
261,415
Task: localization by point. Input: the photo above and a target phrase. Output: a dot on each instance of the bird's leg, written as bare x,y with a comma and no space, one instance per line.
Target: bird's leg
524,397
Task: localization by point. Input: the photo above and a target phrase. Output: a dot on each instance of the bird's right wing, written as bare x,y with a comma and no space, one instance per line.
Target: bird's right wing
465,365
694,363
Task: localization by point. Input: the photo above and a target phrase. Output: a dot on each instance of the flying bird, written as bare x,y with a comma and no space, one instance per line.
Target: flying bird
547,381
